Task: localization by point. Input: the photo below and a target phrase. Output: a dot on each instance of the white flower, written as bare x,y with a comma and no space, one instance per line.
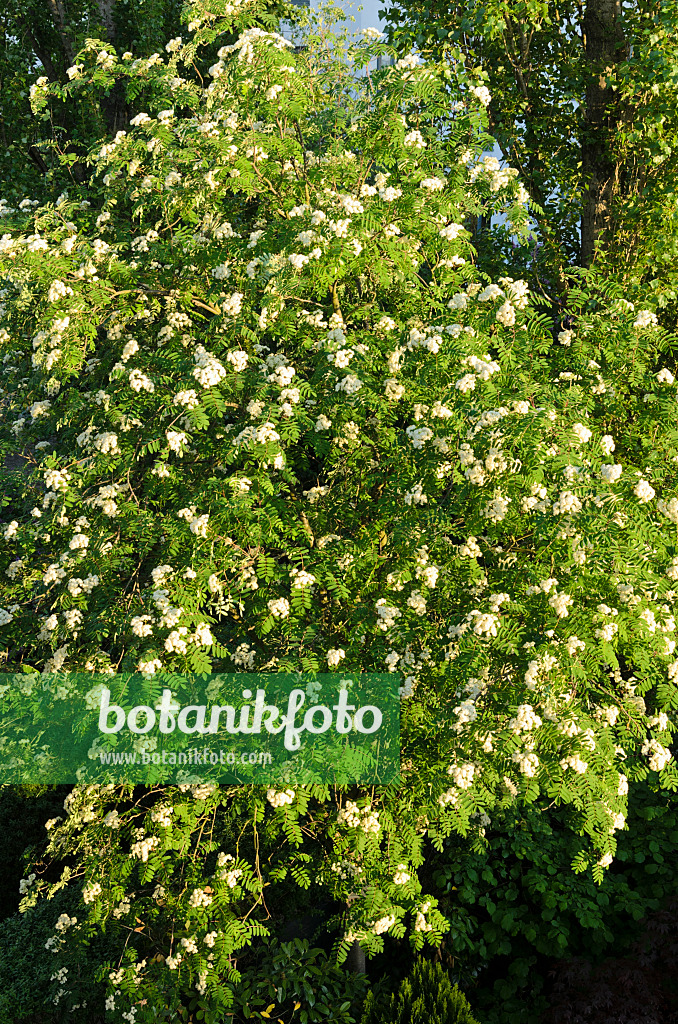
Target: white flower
582,433
574,644
607,444
232,304
414,140
64,922
386,614
433,184
383,924
669,509
175,440
419,435
349,384
279,608
58,290
492,291
466,383
416,496
385,324
644,491
560,603
334,656
143,847
506,315
665,377
90,892
645,319
300,579
11,530
481,93
417,602
141,625
198,526
658,755
140,382
497,509
105,442
188,398
610,473
470,549
40,409
451,231
567,504
130,349
575,763
149,668
238,359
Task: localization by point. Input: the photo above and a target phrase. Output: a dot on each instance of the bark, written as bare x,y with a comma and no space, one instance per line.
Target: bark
106,14
43,55
59,15
604,46
37,159
113,106
355,961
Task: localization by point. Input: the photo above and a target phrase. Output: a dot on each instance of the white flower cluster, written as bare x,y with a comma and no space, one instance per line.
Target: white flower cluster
462,775
386,614
208,371
658,755
354,816
278,798
143,847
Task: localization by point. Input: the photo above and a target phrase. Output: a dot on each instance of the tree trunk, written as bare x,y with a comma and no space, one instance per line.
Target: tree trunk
604,46
60,23
355,961
107,20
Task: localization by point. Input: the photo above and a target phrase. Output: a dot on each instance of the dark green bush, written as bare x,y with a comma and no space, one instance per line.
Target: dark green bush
28,992
23,813
280,975
517,908
425,996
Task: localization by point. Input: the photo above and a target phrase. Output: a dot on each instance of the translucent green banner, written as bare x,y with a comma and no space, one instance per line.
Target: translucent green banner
249,728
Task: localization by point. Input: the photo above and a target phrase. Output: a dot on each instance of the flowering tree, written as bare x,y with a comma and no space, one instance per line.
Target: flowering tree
272,418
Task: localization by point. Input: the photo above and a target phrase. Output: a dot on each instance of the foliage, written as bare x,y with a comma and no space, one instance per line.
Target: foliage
534,58
23,812
41,154
42,39
517,909
32,984
251,437
426,996
637,987
296,982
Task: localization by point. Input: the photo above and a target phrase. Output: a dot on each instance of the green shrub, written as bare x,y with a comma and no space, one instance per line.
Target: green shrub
426,996
34,989
23,813
290,978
